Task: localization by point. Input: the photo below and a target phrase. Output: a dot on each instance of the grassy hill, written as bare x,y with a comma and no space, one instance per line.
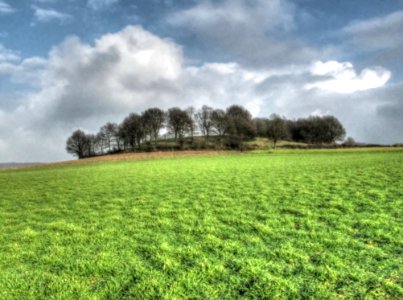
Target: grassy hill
286,224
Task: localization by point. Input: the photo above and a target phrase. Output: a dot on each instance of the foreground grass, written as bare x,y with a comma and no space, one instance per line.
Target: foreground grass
284,225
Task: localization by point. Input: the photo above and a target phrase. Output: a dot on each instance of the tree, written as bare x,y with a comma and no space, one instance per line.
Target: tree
153,121
109,132
295,130
233,126
123,136
77,144
239,122
204,117
239,126
179,123
261,125
100,142
132,131
191,122
276,129
349,142
219,122
331,130
317,130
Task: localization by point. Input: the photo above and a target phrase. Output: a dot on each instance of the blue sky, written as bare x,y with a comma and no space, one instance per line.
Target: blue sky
69,64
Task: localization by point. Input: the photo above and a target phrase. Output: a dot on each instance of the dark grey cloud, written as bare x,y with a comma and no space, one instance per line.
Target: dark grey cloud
377,33
253,33
378,40
391,111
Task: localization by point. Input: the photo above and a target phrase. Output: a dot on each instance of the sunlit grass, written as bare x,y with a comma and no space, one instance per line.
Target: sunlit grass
266,225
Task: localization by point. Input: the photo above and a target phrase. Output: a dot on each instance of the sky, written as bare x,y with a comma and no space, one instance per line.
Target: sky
80,63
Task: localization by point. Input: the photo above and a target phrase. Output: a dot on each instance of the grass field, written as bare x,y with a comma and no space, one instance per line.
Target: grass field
288,224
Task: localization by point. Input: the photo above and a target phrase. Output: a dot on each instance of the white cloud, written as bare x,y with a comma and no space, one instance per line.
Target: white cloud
5,8
122,71
344,79
98,4
7,55
47,15
83,86
365,114
27,71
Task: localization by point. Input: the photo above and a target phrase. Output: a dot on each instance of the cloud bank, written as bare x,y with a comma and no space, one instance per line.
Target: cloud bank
83,85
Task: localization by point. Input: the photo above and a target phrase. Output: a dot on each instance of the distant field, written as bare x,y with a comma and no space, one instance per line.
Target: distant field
320,224
16,165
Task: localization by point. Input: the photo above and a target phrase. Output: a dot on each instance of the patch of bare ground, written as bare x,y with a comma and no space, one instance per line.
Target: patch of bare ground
142,156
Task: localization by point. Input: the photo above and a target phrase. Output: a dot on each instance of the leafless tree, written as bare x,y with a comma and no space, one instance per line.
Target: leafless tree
276,129
179,123
219,122
239,126
153,121
204,117
109,132
132,131
191,122
77,144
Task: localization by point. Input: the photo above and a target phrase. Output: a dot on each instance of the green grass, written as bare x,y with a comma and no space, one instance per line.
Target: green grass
288,224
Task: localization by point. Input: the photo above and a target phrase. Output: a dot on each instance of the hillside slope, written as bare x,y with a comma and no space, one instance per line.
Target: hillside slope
285,225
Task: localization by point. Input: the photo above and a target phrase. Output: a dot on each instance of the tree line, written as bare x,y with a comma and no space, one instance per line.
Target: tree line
215,128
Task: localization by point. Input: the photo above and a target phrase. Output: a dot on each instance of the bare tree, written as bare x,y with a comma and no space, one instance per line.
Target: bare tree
191,122
235,125
100,142
179,123
132,131
276,129
109,133
77,144
239,126
219,122
261,125
153,121
350,142
331,130
204,117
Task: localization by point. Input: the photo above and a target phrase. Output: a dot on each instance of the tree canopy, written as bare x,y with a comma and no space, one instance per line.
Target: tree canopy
229,128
